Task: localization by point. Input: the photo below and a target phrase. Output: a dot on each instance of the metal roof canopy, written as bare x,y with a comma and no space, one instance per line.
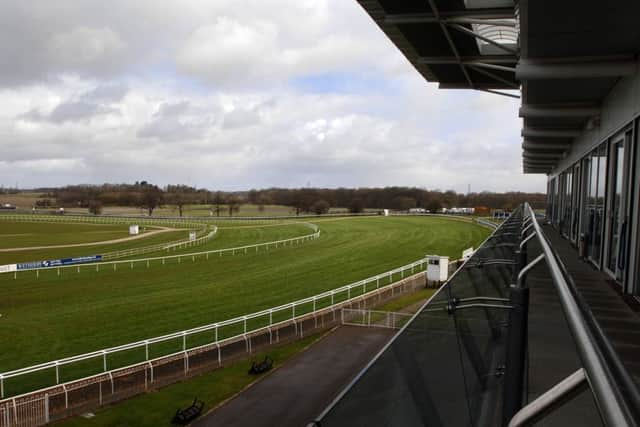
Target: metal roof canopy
572,53
462,44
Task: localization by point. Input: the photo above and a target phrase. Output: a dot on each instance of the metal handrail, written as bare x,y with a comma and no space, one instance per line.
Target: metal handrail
605,391
318,420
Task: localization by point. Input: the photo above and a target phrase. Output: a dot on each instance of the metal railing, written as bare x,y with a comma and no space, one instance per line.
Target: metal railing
445,362
179,257
103,219
374,318
616,398
178,244
143,219
218,332
470,320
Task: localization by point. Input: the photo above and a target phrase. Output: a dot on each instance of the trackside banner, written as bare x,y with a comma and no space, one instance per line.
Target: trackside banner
9,268
57,262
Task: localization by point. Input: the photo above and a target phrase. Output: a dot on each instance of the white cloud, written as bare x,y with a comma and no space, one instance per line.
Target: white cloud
209,93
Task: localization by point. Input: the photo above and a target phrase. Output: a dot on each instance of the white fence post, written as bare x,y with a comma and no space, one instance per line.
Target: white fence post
46,408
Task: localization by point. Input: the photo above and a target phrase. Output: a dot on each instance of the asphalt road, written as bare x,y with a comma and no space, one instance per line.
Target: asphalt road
297,392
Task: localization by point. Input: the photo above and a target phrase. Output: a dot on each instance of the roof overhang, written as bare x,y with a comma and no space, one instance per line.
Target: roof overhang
461,44
572,53
564,56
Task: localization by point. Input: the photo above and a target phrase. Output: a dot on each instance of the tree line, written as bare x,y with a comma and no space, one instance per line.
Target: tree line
397,198
148,196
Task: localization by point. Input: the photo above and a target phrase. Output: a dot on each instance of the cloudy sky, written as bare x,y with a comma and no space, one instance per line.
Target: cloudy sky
236,94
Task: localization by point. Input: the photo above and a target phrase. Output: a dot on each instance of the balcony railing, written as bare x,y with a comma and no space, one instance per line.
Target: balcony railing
461,360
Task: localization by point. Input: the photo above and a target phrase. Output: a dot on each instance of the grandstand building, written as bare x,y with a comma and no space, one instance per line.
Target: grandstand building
542,324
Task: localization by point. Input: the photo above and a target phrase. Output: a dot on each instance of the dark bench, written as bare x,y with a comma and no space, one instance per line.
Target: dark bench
185,416
259,368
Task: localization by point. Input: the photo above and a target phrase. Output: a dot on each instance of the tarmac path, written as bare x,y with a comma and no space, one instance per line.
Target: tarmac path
297,392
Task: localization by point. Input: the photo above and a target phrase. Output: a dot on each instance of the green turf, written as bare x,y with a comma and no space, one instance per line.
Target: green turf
408,300
42,254
230,235
25,234
157,408
59,316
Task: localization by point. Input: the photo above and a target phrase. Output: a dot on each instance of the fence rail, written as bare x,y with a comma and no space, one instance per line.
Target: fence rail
102,219
161,246
374,318
193,255
218,332
112,219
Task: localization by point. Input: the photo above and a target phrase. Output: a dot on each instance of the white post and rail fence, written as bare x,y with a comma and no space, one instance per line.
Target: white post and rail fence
130,263
53,390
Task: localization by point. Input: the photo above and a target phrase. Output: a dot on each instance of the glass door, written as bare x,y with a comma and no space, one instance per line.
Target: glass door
595,204
575,203
565,222
618,218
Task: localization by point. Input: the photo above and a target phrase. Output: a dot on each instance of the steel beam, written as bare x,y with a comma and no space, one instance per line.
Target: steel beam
529,145
483,85
495,77
452,16
468,32
550,133
532,70
538,161
452,45
497,92
558,112
531,155
470,60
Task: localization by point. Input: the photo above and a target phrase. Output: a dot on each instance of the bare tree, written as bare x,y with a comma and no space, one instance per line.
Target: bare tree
151,198
233,204
320,207
263,200
218,200
95,207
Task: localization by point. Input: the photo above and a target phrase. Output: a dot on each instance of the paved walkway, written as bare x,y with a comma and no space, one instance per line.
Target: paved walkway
297,392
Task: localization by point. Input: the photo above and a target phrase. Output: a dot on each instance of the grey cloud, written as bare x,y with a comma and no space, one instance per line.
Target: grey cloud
175,121
111,92
83,107
240,118
75,111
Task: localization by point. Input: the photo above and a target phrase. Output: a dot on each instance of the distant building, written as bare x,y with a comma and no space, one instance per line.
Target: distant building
458,211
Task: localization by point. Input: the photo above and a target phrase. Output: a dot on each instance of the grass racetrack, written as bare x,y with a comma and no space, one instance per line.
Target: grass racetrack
34,234
27,234
53,316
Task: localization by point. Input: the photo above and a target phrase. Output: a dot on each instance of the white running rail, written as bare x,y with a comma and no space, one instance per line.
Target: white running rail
179,257
224,330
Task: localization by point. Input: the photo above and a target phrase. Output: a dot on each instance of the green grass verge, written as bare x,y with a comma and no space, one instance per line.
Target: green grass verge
408,300
156,409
